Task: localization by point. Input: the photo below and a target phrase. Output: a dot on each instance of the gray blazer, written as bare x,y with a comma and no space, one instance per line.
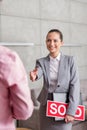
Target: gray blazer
68,80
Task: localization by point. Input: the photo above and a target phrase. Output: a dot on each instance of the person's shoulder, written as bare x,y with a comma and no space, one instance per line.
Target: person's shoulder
7,55
7,61
43,58
68,57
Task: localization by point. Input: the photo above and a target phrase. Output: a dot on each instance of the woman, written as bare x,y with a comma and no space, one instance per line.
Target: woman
60,75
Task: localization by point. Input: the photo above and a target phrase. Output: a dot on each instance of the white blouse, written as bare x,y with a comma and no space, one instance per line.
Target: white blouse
54,65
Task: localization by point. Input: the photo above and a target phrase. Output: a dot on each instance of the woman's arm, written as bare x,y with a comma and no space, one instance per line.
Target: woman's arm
74,91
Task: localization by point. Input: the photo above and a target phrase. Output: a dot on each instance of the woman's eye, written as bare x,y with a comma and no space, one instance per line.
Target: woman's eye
55,41
48,40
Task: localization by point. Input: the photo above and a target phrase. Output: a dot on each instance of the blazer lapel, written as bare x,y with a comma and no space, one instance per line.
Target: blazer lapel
47,66
60,69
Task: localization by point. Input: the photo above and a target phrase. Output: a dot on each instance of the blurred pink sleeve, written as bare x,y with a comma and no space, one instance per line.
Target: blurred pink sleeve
17,82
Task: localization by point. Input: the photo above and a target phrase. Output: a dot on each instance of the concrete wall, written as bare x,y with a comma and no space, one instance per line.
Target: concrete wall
28,21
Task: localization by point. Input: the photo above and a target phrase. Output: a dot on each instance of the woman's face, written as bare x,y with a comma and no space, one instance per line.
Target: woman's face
53,43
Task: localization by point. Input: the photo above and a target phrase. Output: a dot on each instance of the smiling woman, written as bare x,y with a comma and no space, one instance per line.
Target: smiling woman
60,76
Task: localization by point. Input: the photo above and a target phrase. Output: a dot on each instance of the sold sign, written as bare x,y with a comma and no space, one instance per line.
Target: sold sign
58,109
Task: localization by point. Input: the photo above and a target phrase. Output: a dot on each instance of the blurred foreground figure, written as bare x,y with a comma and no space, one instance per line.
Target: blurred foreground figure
15,98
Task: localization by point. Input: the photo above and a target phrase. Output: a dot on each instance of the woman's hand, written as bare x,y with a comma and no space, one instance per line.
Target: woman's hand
69,118
33,74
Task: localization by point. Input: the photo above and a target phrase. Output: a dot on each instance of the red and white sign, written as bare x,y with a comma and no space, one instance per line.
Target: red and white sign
58,109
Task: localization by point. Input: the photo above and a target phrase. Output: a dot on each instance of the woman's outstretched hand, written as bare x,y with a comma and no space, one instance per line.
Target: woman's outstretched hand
33,74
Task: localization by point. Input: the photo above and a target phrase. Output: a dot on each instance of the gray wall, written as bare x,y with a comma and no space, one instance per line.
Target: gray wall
28,21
